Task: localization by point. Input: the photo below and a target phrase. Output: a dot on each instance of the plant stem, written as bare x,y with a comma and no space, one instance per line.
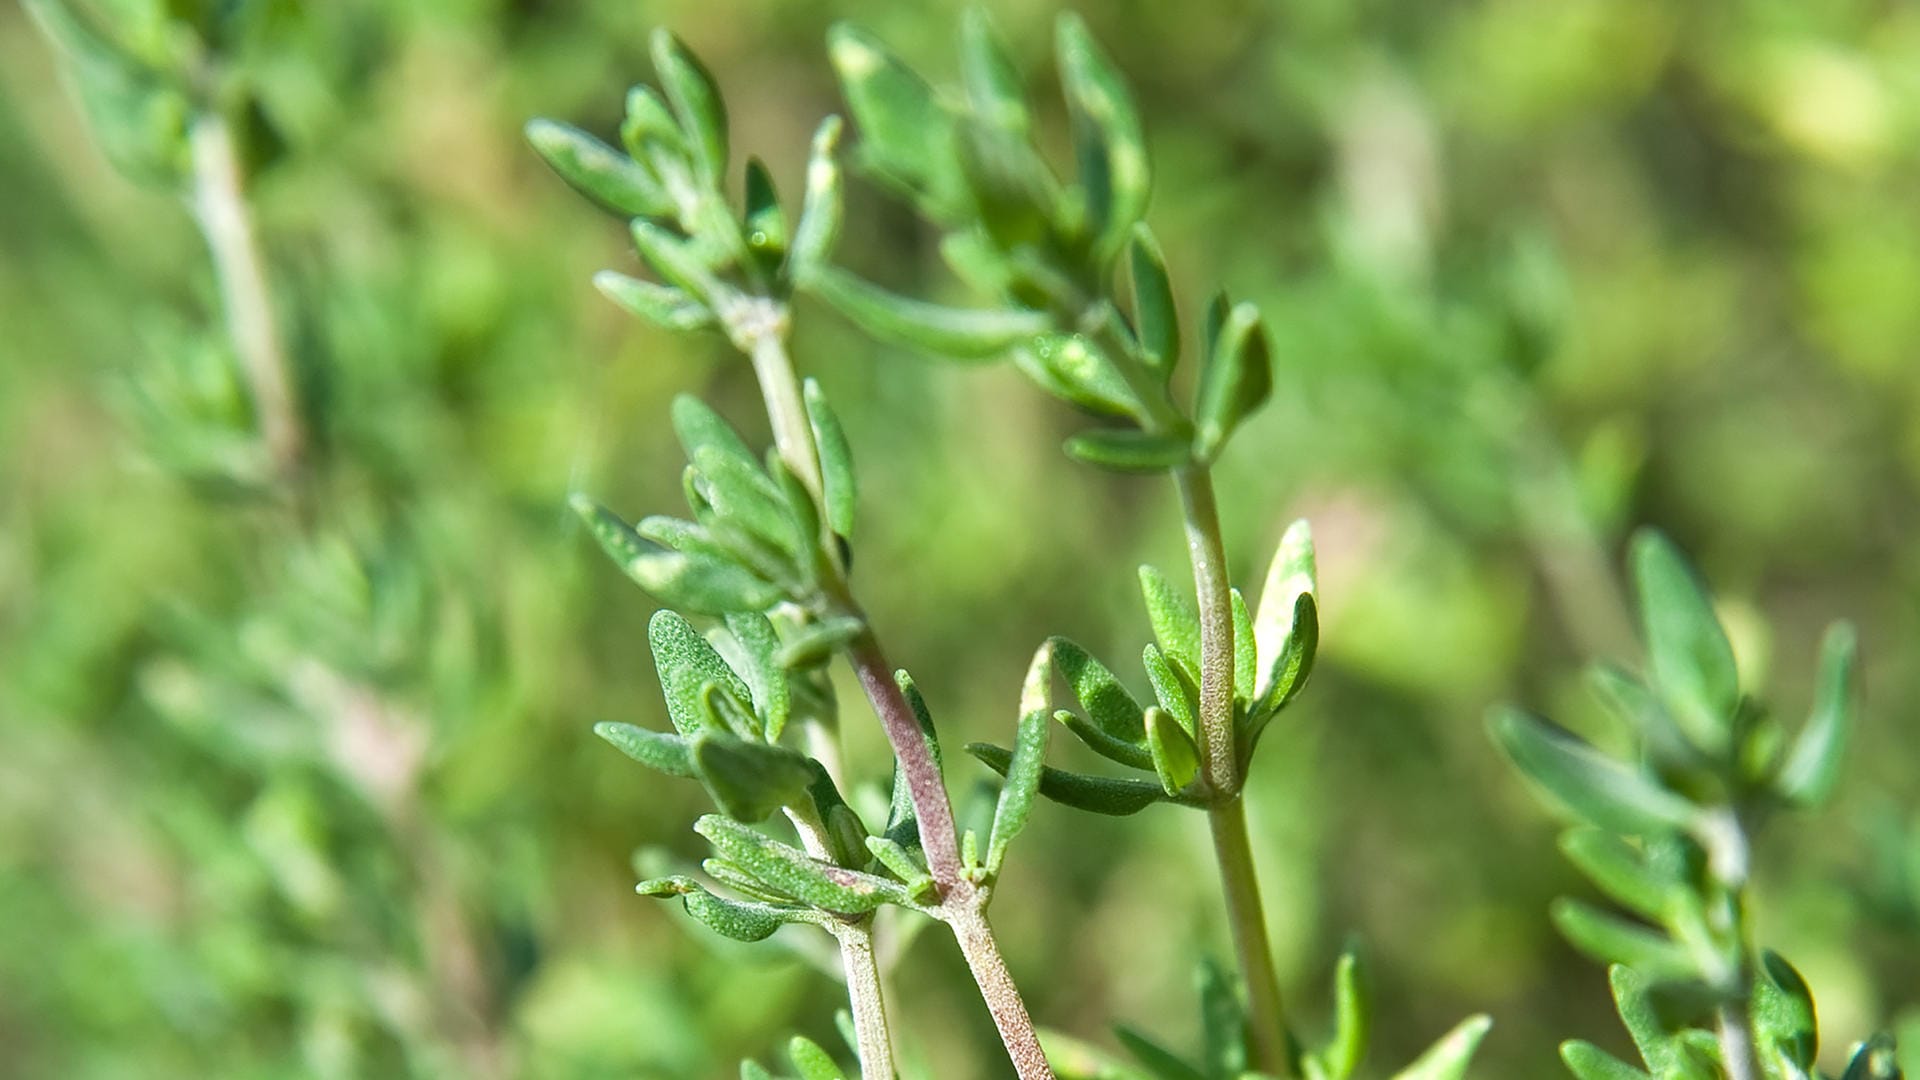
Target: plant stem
1206,549
925,787
1266,1018
866,1000
970,929
1736,1042
220,205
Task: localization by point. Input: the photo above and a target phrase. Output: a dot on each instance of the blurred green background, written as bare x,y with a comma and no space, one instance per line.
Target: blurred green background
1539,272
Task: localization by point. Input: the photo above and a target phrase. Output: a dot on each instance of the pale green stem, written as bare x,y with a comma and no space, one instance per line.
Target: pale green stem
1266,1016
865,998
220,205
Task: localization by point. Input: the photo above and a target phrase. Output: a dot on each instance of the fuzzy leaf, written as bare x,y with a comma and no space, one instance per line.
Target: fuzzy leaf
962,333
744,496
649,129
750,781
1022,781
813,1062
1633,999
1783,1011
1290,576
904,865
1176,693
821,210
1691,659
654,749
1288,673
1588,1062
836,462
1175,759
1075,370
1156,319
696,103
1133,755
906,136
597,170
687,665
697,583
762,671
678,261
1246,661
787,868
1130,450
1175,626
902,827
815,643
1448,1059
1812,767
1096,794
1592,785
741,920
1613,940
1236,380
1111,151
1111,708
663,305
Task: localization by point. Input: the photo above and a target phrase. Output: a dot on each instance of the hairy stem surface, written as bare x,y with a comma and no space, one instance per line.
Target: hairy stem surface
970,929
867,1001
220,206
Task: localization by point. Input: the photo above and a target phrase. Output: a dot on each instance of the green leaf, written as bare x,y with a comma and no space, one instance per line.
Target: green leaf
1589,1062
1236,380
1599,789
597,170
766,223
750,781
1633,998
736,878
993,85
1783,1011
902,827
700,584
699,428
1290,576
1448,1059
813,1062
1175,759
1619,870
964,333
1016,198
1134,755
1812,766
741,920
696,103
743,495
1223,1023
1352,1018
906,136
656,750
760,667
821,211
902,864
1073,369
787,868
1246,662
1164,1064
649,130
1097,794
1642,712
1874,1060
1613,940
1175,626
1691,659
687,664
753,1070
1112,709
836,462
1112,153
1156,319
1130,450
815,643
1023,769
663,305
1288,673
678,261
1176,693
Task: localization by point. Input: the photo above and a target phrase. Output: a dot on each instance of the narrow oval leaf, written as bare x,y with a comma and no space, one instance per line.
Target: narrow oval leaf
993,82
812,1062
1112,153
687,665
696,103
903,864
750,781
699,427
1596,787
906,137
1223,1022
1619,870
1691,659
1633,999
741,920
841,493
766,222
1022,782
787,868
1175,759
1133,755
1287,675
1448,1059
1163,1063
1812,767
654,749
1177,694
962,333
1642,711
815,643
700,584
743,495
1112,709
1246,663
1073,369
821,211
1290,575
1175,625
663,305
1783,1011
1130,450
1613,940
649,130
1589,1062
597,170
1236,380
760,668
677,260
1096,794
1156,320
1352,1019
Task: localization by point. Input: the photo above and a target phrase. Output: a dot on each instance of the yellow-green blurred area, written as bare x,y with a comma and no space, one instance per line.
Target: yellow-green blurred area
1538,272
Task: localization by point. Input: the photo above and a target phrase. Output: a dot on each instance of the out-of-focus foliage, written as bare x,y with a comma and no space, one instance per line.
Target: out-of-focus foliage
1533,272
